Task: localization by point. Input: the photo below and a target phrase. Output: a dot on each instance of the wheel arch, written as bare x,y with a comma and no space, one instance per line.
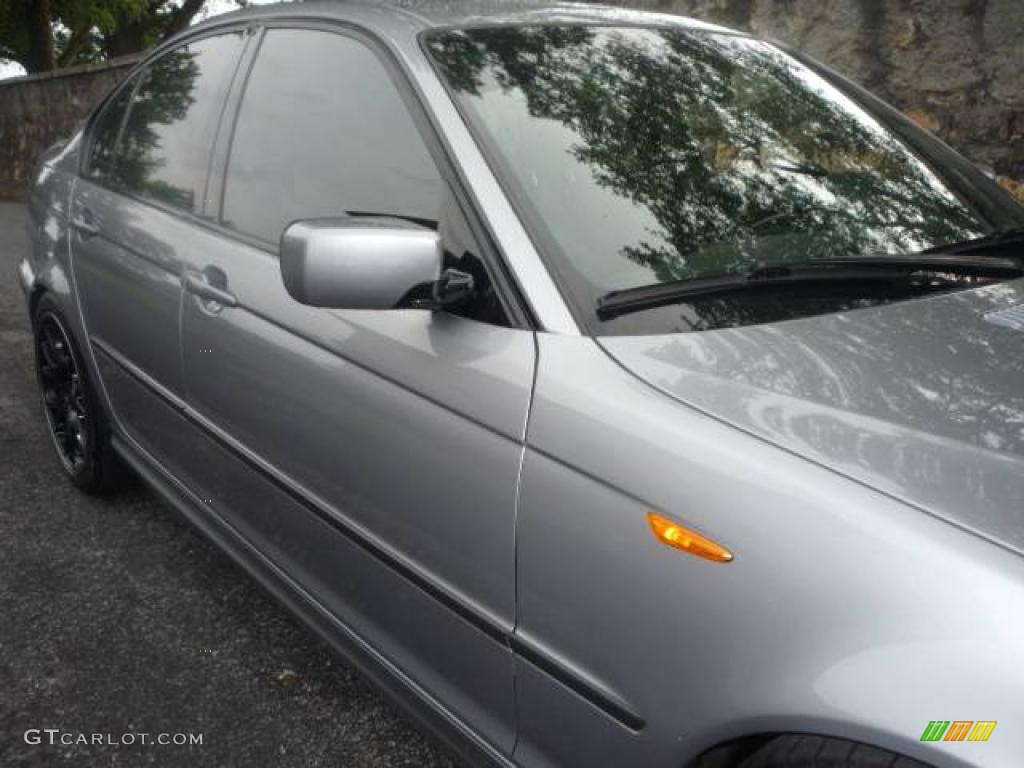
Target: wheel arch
732,751
800,748
36,293
727,750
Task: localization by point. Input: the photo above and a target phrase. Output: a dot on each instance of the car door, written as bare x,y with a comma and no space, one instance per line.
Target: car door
141,185
373,456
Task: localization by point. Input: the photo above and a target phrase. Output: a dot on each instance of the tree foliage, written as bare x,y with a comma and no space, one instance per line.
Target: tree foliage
46,34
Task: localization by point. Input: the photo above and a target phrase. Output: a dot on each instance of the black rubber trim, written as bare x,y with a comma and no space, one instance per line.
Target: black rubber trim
609,704
614,708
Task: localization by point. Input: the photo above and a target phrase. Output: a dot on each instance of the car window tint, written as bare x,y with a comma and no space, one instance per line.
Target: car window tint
639,156
166,142
105,132
322,130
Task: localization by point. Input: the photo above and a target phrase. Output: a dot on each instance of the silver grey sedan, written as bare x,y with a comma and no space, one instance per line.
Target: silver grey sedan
614,389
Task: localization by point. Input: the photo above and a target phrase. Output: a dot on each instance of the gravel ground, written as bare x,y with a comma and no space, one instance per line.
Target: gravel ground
116,617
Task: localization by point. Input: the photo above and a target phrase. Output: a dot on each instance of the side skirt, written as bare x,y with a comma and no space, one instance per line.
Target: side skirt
404,691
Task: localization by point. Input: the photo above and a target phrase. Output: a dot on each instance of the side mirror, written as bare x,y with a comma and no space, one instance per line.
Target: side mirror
362,263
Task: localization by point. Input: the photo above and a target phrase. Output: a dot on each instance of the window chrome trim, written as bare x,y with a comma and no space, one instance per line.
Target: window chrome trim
537,285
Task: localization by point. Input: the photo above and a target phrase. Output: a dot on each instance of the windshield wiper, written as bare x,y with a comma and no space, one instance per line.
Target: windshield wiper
1001,238
806,273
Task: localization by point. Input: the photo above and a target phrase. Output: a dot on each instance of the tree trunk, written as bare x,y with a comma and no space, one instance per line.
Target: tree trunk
40,56
182,17
128,37
132,36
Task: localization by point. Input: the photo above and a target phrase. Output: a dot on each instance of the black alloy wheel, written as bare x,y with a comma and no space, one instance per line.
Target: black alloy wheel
64,402
77,425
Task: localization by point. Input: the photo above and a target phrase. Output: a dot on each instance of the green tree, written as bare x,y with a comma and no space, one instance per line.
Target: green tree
42,35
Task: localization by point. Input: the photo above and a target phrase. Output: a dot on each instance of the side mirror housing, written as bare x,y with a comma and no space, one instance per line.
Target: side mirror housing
358,263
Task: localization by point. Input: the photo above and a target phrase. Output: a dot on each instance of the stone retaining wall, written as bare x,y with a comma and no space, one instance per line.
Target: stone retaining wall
37,110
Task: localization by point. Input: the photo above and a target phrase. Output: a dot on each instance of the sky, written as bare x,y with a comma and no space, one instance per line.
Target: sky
213,8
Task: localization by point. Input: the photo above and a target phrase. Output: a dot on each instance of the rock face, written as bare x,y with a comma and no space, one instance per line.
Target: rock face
954,66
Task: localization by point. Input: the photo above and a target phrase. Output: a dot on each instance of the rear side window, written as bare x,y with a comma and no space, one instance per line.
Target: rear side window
323,131
166,142
105,132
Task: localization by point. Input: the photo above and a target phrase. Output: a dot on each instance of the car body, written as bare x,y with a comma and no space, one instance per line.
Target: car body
459,500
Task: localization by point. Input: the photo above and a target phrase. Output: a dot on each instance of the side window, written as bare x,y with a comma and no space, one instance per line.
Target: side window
323,131
166,142
105,131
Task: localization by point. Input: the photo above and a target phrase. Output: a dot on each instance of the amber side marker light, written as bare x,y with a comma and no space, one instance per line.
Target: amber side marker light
673,534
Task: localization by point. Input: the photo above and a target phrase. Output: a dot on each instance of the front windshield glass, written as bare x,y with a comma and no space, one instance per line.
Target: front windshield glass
648,155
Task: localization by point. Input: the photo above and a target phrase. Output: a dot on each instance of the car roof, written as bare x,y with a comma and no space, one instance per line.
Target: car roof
397,18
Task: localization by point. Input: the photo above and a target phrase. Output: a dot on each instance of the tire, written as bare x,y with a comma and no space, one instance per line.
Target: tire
805,751
76,422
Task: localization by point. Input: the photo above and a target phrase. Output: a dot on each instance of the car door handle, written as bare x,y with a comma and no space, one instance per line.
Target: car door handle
199,285
84,225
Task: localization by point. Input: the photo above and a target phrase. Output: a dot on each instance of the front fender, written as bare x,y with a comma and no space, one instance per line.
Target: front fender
844,613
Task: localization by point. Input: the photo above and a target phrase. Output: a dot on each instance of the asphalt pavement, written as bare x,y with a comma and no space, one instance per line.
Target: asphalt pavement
117,618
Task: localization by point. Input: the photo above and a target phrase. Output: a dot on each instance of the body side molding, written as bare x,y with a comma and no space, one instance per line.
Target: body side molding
598,695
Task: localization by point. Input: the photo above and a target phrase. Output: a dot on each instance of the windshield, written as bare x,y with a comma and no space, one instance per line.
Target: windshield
647,155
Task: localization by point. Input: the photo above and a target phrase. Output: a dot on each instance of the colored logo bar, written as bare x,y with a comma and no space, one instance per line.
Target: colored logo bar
958,730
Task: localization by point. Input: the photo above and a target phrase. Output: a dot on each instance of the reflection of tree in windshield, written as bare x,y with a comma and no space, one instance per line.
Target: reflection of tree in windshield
736,153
